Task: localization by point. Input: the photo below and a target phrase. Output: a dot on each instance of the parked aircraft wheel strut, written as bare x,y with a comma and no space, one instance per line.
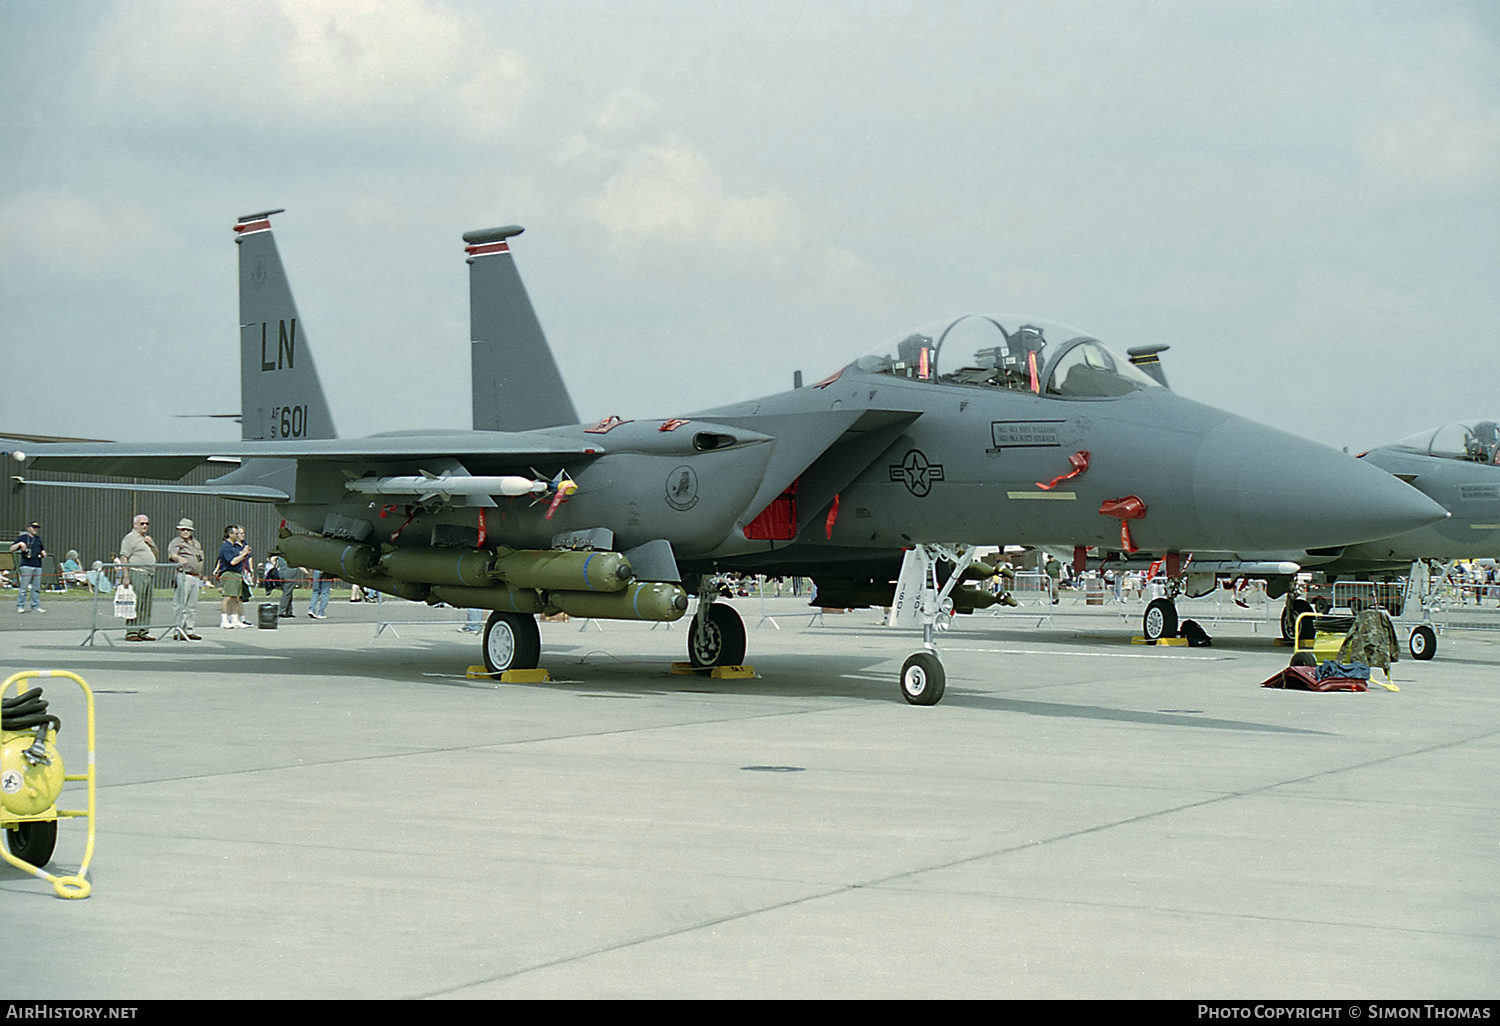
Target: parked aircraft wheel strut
1160,620
512,641
716,637
923,679
1423,642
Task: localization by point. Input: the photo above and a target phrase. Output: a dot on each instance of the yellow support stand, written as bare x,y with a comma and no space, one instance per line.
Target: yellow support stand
716,672
66,886
537,676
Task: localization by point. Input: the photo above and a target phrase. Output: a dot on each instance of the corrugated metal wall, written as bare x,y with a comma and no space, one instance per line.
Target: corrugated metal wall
95,521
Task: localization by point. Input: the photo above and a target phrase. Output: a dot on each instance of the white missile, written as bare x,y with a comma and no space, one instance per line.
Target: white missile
431,486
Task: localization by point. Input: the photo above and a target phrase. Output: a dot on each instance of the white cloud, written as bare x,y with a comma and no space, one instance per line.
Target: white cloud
340,64
1435,138
670,193
1436,117
624,112
54,231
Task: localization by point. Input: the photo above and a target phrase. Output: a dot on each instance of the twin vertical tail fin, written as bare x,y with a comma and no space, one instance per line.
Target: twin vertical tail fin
517,386
280,394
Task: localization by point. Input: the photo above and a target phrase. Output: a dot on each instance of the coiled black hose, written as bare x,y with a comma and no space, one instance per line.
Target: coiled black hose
25,711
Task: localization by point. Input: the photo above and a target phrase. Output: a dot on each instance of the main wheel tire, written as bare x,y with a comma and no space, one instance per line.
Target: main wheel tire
721,639
1422,644
1289,616
512,641
923,679
32,842
1160,620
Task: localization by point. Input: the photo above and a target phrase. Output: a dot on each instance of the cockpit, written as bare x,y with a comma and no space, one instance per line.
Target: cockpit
1022,354
1477,441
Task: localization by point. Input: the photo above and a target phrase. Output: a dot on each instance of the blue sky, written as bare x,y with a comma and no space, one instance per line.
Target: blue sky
1300,199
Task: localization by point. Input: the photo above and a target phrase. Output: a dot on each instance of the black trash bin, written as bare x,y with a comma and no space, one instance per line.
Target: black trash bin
266,616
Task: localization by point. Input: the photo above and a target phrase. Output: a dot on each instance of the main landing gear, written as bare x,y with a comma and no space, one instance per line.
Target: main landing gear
1160,619
512,641
717,635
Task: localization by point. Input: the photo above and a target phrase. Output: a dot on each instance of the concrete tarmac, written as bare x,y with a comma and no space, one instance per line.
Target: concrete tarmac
318,812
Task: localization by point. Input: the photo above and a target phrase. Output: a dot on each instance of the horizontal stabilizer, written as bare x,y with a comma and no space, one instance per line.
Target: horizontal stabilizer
242,493
169,461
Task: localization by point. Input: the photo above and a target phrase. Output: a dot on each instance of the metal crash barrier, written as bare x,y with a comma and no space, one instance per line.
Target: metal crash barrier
389,610
31,782
106,610
1035,593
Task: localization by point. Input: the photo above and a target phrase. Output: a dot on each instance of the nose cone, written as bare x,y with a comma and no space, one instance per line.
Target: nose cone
1273,491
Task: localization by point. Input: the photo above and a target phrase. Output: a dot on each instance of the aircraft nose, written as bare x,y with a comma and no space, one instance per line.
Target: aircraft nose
1278,491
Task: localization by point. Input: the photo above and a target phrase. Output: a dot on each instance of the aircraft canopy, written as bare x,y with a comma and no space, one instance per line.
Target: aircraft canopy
1023,354
1476,440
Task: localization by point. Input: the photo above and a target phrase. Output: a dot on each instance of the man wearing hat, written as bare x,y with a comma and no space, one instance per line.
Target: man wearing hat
187,552
29,568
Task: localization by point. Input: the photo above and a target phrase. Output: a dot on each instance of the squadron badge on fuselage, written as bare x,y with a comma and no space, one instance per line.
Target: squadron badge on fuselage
682,488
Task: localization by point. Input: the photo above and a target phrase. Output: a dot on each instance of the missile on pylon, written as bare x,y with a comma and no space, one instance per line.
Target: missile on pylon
448,486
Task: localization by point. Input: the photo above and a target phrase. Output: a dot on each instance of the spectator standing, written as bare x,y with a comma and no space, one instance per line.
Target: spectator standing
279,574
187,552
322,587
141,554
234,571
29,569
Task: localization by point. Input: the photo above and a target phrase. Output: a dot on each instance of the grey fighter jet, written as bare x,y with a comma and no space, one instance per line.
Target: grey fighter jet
978,430
1457,466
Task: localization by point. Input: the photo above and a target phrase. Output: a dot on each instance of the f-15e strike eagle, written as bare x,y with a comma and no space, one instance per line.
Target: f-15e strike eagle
980,430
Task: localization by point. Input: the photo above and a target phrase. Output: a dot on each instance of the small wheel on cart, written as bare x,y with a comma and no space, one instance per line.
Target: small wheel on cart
1321,606
1303,659
923,679
32,842
1423,642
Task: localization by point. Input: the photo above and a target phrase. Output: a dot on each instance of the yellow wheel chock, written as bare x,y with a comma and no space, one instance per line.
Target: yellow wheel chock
28,786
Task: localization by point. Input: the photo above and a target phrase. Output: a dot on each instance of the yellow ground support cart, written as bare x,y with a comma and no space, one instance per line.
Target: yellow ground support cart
32,779
1320,636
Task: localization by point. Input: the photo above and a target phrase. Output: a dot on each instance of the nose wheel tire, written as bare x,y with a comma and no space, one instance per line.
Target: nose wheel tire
1160,620
512,641
923,679
32,842
719,640
1423,642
